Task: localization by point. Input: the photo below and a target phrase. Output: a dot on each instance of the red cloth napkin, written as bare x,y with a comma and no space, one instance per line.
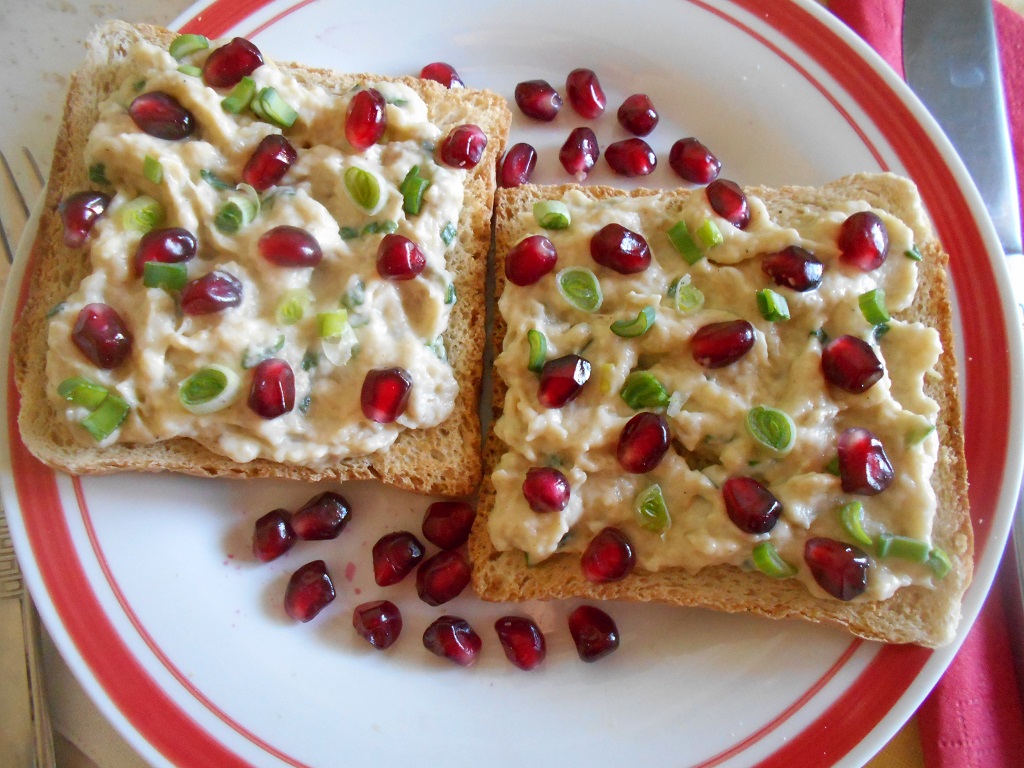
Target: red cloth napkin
974,717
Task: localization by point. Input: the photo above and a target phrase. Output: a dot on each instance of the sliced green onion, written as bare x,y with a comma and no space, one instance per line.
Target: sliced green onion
310,360
376,227
107,417
240,96
820,335
552,214
213,180
913,254
209,389
293,306
832,467
304,404
183,45
142,214
449,294
643,390
686,297
253,357
191,70
650,511
580,287
939,562
638,326
339,347
269,105
169,276
768,561
880,330
413,187
680,238
355,295
773,306
98,174
448,233
364,188
918,435
138,85
872,306
152,169
348,233
56,309
851,517
238,211
438,348
709,234
330,325
538,350
772,428
902,547
82,392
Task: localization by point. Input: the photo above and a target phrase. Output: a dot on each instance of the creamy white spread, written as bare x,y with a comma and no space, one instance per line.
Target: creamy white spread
708,408
394,324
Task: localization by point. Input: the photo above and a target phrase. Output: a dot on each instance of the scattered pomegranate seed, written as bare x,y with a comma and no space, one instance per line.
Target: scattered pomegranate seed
585,93
323,517
631,157
530,259
863,466
840,569
793,267
399,258
288,246
272,392
309,591
269,162
101,335
394,557
637,114
463,147
366,119
594,633
863,241
227,65
694,162
379,622
546,489
517,166
579,153
161,115
78,213
522,641
620,249
717,345
608,557
751,506
851,364
729,202
643,442
562,379
538,100
452,638
442,577
213,292
442,73
447,524
385,394
272,535
170,246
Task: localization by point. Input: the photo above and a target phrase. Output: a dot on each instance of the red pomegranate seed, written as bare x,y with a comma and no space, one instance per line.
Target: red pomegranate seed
309,591
594,633
272,392
161,115
452,638
637,114
269,162
538,100
213,292
729,202
463,147
522,641
840,569
366,119
793,267
399,258
323,517
562,379
78,213
227,65
442,73
517,166
170,246
379,622
442,577
288,246
694,162
608,557
530,259
385,394
272,535
585,93
546,489
863,241
863,466
643,442
631,157
394,557
101,335
751,506
717,345
620,249
851,364
447,524
579,153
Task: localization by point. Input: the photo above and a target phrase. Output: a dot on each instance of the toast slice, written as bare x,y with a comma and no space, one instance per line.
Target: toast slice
443,457
925,612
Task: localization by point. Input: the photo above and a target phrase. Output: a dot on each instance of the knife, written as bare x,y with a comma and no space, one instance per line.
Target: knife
951,61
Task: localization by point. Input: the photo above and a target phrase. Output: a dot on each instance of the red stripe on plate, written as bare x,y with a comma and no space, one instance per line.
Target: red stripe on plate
218,17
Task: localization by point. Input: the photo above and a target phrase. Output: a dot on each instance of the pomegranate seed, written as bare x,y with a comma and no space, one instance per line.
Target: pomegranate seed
272,392
729,202
385,394
750,505
562,379
793,267
546,489
585,93
269,162
631,157
172,245
78,213
309,591
863,241
394,556
851,364
717,345
530,259
272,536
522,641
379,622
452,638
442,73
366,119
288,246
101,335
863,466
694,162
637,114
463,147
840,569
538,100
518,165
579,153
447,524
442,577
323,517
161,115
594,633
399,258
608,557
213,292
621,249
643,442
227,65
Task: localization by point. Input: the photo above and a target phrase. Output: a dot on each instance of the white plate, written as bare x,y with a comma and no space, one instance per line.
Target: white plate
146,582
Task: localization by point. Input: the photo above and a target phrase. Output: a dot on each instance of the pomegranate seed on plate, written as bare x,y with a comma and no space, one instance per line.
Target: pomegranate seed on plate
227,65
620,249
288,246
863,466
729,202
379,622
366,119
579,153
694,162
717,345
793,267
608,557
863,241
851,364
399,258
309,591
323,517
442,73
170,246
517,166
643,442
394,557
447,524
594,633
530,259
562,379
213,292
585,93
637,114
272,535
161,115
385,394
631,157
101,335
546,489
272,392
538,100
840,569
442,577
269,162
522,641
463,147
452,638
78,213
751,506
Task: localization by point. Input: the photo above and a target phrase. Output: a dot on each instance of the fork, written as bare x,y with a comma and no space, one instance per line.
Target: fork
22,698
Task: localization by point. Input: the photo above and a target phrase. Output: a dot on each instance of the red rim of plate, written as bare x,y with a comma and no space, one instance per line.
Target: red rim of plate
885,679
